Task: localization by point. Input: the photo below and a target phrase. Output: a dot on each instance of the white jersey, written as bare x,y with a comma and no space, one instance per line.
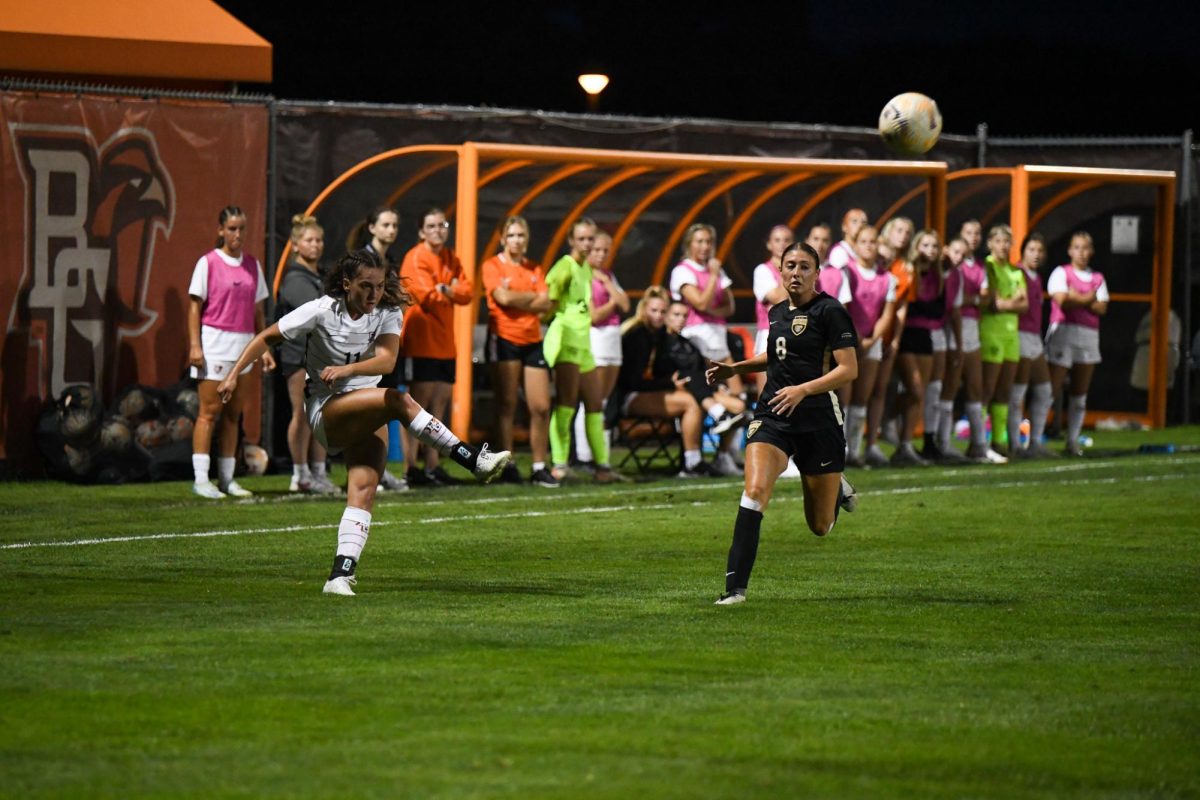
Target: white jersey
766,278
332,338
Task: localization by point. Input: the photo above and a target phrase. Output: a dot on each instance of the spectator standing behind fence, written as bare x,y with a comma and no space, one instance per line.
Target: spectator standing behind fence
1004,300
1079,297
894,239
435,279
302,283
820,239
515,289
969,376
924,311
699,281
768,289
609,301
568,349
1032,369
872,311
376,234
227,297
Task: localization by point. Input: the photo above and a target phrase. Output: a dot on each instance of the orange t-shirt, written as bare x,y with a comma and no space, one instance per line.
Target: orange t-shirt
429,323
905,292
512,324
904,281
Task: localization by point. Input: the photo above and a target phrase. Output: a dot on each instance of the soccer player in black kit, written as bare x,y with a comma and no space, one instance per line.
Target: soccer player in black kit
810,354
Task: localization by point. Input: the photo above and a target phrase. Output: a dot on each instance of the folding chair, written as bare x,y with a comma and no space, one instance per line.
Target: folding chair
649,439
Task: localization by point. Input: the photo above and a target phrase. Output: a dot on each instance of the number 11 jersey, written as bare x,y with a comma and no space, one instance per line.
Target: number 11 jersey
332,338
800,345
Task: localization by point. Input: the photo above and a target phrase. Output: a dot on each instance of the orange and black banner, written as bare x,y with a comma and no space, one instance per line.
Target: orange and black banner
107,205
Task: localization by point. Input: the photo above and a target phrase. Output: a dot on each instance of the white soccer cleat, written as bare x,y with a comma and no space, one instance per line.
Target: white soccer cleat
340,585
732,598
298,485
849,500
209,490
234,490
323,485
489,465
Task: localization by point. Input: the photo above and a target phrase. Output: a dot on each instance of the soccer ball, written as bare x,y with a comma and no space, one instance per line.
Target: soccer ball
910,123
115,435
151,434
255,458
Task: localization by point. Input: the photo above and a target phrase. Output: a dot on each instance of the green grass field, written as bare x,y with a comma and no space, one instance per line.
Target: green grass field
1030,630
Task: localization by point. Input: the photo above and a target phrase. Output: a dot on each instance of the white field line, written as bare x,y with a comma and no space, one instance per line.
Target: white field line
667,485
591,510
323,527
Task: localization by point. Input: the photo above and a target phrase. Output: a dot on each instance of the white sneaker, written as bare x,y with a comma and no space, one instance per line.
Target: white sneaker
875,457
730,599
489,465
322,485
727,422
298,485
390,483
340,585
849,500
723,464
233,490
993,457
208,489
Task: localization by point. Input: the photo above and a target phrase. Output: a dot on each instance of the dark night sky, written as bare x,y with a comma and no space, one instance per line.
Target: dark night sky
1025,68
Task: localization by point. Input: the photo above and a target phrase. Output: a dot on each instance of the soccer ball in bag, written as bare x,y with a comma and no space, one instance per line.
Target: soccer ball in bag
910,123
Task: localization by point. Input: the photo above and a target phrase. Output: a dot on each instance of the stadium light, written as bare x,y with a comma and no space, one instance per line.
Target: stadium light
593,83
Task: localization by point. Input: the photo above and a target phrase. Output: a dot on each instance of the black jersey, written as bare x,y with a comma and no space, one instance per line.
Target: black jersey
800,345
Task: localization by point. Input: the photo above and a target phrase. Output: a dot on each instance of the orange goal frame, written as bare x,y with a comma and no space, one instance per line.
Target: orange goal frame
471,157
1023,218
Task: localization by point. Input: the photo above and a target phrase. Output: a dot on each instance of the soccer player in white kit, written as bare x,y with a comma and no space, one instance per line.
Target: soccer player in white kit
351,337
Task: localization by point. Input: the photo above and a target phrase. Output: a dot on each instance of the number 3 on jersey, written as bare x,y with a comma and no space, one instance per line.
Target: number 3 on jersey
781,348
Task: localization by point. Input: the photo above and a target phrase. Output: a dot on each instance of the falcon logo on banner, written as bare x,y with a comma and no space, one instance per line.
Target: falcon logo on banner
92,216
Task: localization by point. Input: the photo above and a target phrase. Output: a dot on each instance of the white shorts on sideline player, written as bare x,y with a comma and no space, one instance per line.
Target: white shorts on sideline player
1031,345
970,333
1068,345
606,346
711,340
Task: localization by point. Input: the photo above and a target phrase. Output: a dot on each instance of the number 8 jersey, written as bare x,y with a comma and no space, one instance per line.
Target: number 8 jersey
332,338
800,345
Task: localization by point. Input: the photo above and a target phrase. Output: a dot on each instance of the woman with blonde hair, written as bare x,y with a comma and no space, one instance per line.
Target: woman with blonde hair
516,293
301,283
872,311
649,385
699,281
925,312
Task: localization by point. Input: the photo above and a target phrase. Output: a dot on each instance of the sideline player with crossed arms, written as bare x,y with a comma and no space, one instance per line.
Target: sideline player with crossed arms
351,336
810,354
